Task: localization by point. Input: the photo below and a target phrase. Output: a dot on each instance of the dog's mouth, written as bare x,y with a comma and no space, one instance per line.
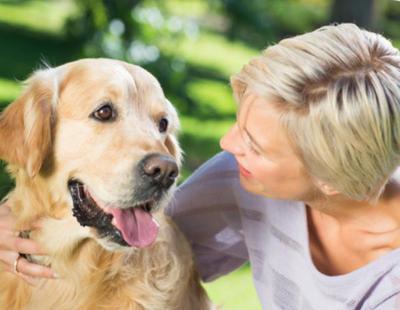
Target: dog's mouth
134,226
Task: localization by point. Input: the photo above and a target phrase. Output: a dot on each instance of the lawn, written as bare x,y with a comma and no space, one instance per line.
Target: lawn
234,291
31,31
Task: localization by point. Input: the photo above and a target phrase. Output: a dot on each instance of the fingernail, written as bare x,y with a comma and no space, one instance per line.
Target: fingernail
56,275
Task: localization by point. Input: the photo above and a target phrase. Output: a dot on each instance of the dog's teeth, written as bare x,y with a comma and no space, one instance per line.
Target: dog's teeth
154,220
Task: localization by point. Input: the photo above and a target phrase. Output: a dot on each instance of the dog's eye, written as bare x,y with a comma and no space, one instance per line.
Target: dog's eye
163,125
104,113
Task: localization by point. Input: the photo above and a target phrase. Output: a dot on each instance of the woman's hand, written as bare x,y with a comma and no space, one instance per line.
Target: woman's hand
11,245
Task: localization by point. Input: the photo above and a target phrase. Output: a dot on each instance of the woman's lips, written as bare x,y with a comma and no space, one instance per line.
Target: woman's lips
244,172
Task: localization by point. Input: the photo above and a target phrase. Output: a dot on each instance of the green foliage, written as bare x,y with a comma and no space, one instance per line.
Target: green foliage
390,24
213,52
29,15
9,90
6,184
214,99
259,22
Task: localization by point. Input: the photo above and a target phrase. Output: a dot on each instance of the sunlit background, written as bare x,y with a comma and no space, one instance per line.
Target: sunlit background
191,46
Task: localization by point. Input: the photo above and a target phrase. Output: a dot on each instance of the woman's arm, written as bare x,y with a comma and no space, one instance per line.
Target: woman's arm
205,209
11,245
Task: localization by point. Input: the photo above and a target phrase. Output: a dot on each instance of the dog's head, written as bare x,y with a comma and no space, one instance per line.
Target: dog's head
100,134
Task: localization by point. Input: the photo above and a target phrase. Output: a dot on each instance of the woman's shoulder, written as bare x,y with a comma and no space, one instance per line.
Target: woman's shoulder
385,291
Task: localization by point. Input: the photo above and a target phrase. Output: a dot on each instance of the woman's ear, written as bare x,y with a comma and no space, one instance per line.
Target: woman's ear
25,125
325,188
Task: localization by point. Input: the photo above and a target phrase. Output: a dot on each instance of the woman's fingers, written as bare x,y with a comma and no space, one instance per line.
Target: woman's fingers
11,245
8,258
28,271
34,270
8,241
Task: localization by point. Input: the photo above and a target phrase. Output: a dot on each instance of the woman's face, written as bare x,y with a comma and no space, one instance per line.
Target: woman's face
267,162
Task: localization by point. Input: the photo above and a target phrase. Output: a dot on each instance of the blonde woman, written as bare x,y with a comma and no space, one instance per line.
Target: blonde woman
307,189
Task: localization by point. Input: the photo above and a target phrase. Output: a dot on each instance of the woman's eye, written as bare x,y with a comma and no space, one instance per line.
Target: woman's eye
104,113
163,125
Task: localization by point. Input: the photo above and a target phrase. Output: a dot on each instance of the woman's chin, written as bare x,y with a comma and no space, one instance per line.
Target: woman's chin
256,187
251,185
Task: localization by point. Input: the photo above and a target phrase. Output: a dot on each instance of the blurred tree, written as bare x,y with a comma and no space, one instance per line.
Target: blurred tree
135,31
250,21
97,18
390,24
364,13
261,22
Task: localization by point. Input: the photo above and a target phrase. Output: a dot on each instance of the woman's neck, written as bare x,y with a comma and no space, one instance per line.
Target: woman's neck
346,234
379,217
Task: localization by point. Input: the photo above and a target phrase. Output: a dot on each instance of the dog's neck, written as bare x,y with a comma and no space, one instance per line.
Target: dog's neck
32,198
32,201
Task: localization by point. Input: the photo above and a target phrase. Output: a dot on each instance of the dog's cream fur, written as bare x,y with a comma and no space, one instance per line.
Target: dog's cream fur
47,137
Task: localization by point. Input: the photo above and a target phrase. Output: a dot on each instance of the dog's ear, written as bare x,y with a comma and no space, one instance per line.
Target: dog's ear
25,125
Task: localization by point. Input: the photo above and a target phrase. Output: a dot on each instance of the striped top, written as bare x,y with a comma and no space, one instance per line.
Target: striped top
228,226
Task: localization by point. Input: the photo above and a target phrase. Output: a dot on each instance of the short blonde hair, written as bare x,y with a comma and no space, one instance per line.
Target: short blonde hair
339,92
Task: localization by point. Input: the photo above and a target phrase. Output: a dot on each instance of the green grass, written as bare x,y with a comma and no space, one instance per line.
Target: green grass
234,291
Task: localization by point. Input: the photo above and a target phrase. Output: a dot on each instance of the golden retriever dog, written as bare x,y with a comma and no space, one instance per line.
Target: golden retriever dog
92,147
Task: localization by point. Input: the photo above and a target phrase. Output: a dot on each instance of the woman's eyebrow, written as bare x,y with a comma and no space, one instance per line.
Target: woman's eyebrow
253,140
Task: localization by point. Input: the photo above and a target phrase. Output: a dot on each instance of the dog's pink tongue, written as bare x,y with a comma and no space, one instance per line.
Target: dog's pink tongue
138,227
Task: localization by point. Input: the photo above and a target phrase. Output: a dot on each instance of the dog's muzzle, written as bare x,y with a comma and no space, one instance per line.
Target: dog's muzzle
89,214
128,225
158,170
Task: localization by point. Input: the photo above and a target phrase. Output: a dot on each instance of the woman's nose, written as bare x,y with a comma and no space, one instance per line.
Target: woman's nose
231,141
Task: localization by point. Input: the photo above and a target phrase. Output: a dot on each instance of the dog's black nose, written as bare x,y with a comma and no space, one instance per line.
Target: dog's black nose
160,169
